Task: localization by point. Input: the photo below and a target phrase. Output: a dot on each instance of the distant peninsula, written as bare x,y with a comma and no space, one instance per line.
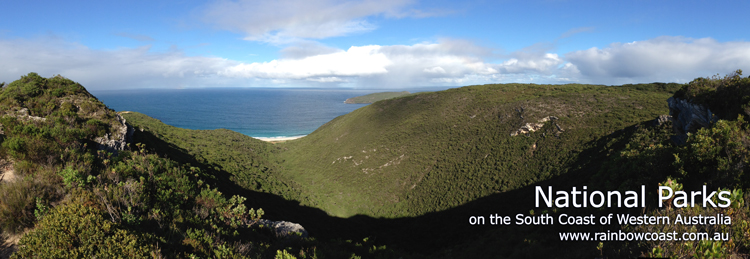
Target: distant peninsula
374,97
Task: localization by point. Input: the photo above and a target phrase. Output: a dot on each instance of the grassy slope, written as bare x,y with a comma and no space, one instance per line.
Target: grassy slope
433,151
374,97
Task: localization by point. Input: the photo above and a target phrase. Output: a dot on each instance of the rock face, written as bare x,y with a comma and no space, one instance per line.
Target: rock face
284,228
531,127
23,114
688,117
122,134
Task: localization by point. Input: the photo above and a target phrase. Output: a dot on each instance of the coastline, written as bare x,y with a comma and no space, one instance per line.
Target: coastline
278,139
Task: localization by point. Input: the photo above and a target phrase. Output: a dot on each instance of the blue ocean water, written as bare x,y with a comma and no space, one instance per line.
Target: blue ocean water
256,112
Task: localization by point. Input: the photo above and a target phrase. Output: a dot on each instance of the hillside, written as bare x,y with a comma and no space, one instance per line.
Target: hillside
409,170
427,152
374,97
249,162
433,151
395,179
75,185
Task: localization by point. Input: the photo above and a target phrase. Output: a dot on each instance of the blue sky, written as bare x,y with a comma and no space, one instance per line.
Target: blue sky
384,44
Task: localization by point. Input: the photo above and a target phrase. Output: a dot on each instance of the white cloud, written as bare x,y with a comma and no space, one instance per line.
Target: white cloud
357,61
446,62
435,70
305,49
106,69
331,79
666,59
285,21
522,63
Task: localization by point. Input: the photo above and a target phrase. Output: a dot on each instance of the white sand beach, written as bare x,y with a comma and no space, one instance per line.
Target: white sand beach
279,139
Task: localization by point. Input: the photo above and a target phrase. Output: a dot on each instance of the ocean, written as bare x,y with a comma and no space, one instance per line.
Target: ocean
256,112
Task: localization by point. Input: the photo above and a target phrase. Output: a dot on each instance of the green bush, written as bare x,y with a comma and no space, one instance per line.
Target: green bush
727,96
79,230
716,156
16,147
31,89
72,178
283,254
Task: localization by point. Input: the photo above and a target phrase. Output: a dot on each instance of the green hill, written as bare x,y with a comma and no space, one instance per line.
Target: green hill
71,189
374,97
397,178
433,151
426,152
409,170
248,162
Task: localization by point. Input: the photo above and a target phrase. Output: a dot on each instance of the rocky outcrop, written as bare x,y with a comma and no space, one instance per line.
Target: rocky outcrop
531,127
284,229
23,114
121,134
688,118
119,138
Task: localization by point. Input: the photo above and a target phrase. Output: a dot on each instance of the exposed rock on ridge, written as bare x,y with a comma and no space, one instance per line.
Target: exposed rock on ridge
23,114
531,127
688,118
122,134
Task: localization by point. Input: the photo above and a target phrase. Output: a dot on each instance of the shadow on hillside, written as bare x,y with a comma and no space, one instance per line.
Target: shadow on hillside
436,231
275,207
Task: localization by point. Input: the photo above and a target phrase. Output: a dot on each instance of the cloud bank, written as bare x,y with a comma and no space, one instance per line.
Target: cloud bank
447,62
285,21
107,69
674,59
378,66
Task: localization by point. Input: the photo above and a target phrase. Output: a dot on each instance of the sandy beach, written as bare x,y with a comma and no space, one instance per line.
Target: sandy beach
278,139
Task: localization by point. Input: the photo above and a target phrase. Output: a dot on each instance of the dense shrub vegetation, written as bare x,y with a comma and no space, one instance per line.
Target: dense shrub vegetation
76,201
727,96
716,157
405,172
433,151
78,229
250,162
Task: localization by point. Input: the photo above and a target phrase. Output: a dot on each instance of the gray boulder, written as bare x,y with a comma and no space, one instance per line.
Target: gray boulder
688,118
284,229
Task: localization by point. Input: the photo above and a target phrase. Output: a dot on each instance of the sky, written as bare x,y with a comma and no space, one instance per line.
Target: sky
371,44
